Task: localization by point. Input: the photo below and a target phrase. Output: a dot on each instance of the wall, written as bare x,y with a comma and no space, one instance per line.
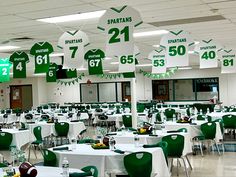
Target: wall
52,92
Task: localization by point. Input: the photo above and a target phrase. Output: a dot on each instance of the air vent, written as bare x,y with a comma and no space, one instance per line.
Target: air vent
188,20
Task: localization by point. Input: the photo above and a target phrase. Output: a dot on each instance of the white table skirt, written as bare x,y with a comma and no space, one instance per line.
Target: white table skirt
19,138
193,130
110,162
46,171
49,128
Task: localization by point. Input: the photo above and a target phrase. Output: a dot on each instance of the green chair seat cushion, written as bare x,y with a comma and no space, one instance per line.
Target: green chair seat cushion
76,174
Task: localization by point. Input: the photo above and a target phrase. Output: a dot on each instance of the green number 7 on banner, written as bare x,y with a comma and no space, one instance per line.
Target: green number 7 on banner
74,50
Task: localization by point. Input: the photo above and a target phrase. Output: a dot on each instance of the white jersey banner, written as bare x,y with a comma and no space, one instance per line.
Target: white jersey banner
158,61
73,43
228,59
207,50
118,24
177,45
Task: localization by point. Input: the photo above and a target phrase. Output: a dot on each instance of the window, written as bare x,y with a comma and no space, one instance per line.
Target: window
185,89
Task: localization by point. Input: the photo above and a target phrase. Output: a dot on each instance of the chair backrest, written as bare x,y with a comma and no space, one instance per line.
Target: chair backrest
158,117
200,117
45,117
5,140
29,116
88,140
38,133
138,164
229,121
102,117
184,130
209,130
92,169
169,113
127,120
49,158
164,146
3,165
62,128
175,145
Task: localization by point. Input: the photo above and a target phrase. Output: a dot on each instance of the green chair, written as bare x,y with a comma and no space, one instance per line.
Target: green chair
49,158
229,122
184,130
200,117
169,113
62,130
38,143
175,150
208,134
88,140
138,164
158,117
92,169
3,165
140,108
5,140
127,120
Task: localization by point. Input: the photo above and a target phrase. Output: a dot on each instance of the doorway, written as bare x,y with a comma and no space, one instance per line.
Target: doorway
21,97
160,89
126,93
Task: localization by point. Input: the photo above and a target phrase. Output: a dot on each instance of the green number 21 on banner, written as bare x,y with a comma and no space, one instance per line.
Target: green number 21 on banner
129,59
115,32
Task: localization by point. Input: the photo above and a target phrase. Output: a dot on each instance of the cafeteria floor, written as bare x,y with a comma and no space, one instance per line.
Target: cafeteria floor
210,165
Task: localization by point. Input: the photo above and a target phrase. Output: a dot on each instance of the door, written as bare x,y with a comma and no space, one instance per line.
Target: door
160,90
126,93
21,97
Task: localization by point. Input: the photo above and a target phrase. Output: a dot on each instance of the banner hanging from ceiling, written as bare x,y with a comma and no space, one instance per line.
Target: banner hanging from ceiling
159,76
41,51
70,81
177,45
19,60
5,67
118,24
158,59
228,59
73,43
207,50
94,57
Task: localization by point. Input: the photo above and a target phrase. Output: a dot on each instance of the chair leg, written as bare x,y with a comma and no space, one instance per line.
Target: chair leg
29,153
200,145
171,164
217,147
35,152
189,162
185,167
178,167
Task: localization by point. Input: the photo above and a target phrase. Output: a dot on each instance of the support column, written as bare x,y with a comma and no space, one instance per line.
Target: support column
134,103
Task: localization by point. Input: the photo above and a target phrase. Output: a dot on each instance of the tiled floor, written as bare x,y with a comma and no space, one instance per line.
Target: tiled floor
211,165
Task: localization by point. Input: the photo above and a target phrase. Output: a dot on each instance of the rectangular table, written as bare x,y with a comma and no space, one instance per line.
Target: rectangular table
109,162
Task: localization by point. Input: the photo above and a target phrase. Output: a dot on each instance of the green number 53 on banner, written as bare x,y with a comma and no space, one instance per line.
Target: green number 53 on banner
129,59
159,63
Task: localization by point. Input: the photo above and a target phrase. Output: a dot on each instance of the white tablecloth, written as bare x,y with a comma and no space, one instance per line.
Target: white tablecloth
19,138
108,161
46,171
219,115
193,130
49,128
128,138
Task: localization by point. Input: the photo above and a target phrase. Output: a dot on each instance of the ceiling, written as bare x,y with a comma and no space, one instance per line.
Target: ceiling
199,17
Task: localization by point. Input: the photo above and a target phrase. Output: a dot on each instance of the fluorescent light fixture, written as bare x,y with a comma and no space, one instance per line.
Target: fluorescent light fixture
143,65
56,54
114,72
156,45
82,69
39,74
196,42
150,33
108,58
191,52
114,63
106,70
185,68
9,47
73,17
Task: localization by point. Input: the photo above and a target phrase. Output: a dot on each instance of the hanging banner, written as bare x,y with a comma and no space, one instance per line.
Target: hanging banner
51,75
5,67
73,43
70,81
159,76
158,61
41,51
94,58
228,59
118,24
19,60
207,50
177,45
